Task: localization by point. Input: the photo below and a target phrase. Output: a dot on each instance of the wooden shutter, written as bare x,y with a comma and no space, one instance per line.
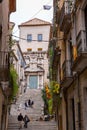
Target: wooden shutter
12,6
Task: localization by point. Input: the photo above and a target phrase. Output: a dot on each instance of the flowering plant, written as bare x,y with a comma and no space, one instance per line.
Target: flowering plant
55,87
48,92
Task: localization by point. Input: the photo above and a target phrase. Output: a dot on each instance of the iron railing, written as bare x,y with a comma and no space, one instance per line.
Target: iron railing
66,67
66,10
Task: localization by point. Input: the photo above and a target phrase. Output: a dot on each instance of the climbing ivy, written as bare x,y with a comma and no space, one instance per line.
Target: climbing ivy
13,82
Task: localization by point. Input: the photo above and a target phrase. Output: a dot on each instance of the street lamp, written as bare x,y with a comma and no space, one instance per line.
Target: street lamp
47,7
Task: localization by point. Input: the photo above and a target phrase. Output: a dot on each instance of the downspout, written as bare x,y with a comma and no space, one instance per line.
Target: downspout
65,97
57,118
79,104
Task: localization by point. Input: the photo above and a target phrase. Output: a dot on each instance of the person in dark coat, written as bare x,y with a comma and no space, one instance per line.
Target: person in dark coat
20,119
26,105
29,102
26,120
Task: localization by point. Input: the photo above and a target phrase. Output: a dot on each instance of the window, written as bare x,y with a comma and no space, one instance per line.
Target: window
29,37
39,37
29,49
39,49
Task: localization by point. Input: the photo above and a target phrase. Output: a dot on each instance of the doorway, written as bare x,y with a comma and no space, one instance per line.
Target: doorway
33,82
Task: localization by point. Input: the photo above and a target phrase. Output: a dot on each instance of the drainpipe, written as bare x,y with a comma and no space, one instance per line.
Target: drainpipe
66,115
6,113
57,117
79,104
65,97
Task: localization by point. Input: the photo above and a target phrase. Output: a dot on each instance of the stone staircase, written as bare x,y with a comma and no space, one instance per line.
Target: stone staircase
32,125
36,111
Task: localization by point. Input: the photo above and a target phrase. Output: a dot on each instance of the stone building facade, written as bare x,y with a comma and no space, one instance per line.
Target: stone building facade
19,63
6,8
70,66
34,40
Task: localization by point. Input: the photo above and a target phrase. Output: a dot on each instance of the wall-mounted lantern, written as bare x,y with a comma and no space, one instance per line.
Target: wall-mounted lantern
47,7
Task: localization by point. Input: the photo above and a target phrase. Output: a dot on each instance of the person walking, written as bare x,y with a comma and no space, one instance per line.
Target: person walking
26,120
20,119
26,105
29,102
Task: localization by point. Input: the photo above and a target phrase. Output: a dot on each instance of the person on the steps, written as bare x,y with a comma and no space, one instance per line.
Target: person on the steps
26,105
20,119
29,102
26,120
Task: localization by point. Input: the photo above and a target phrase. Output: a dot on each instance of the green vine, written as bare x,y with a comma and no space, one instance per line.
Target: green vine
44,97
13,82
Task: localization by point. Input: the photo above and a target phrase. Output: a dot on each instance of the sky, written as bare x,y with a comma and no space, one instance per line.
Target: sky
29,9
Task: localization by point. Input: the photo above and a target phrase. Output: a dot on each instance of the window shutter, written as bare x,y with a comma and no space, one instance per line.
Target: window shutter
12,5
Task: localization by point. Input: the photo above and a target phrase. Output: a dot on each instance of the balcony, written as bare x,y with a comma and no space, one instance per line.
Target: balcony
4,66
67,74
55,62
65,16
4,71
56,57
80,63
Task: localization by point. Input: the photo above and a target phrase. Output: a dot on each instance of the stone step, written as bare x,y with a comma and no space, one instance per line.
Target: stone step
36,111
32,125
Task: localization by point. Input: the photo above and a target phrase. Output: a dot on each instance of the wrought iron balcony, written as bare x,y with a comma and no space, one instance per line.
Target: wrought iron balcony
80,62
67,74
65,16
